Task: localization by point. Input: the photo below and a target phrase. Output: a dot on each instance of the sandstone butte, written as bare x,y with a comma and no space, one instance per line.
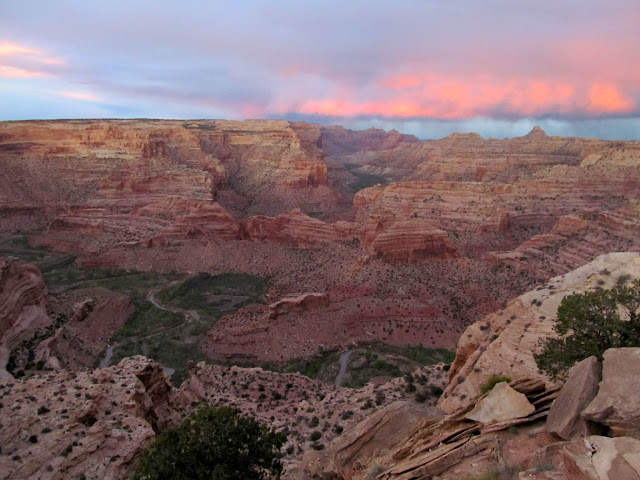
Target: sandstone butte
361,237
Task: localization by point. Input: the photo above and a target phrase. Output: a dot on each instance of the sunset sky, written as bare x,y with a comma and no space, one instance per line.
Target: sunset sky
497,67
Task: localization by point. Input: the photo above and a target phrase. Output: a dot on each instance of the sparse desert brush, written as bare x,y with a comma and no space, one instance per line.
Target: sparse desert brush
374,470
492,382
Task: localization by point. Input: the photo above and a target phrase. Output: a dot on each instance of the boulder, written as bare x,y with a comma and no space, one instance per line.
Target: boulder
581,387
610,457
315,465
502,403
597,458
617,404
355,449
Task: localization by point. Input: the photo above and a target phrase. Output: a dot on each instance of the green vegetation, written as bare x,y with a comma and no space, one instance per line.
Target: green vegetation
423,355
197,126
133,283
169,335
216,443
215,295
61,275
319,366
506,472
316,214
589,324
363,180
366,362
363,366
374,470
171,338
22,357
492,474
18,246
492,382
146,319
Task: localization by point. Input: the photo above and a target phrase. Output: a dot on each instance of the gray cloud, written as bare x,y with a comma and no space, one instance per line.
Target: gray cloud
258,58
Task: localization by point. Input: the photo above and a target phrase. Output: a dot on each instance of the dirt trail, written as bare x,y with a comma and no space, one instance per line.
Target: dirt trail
344,360
189,315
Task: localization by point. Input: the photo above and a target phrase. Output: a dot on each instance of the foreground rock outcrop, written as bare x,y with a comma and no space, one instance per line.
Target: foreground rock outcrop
435,443
501,433
505,341
562,422
22,306
95,424
615,405
353,451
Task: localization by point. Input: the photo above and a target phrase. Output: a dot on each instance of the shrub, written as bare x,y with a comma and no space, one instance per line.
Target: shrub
373,471
435,390
215,443
347,414
589,324
368,404
421,397
492,382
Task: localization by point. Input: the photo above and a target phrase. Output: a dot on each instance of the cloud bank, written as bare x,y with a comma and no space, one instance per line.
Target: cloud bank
423,66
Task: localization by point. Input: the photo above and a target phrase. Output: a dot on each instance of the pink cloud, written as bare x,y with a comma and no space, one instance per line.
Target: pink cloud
446,96
605,97
89,97
9,71
17,56
11,49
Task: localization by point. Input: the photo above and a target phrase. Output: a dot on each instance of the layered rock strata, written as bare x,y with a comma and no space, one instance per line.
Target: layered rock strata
504,342
22,306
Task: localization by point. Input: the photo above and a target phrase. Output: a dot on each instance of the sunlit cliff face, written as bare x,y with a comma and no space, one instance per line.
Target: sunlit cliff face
420,61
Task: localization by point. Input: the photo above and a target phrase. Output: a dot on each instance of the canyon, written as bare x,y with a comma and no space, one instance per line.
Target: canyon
269,245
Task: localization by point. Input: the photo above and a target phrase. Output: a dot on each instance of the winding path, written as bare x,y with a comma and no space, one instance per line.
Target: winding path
344,360
188,316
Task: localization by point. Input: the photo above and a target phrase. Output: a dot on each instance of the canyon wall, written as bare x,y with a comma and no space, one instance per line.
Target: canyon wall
129,180
22,306
97,184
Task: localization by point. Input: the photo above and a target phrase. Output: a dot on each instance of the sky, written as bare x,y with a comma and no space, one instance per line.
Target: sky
427,67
